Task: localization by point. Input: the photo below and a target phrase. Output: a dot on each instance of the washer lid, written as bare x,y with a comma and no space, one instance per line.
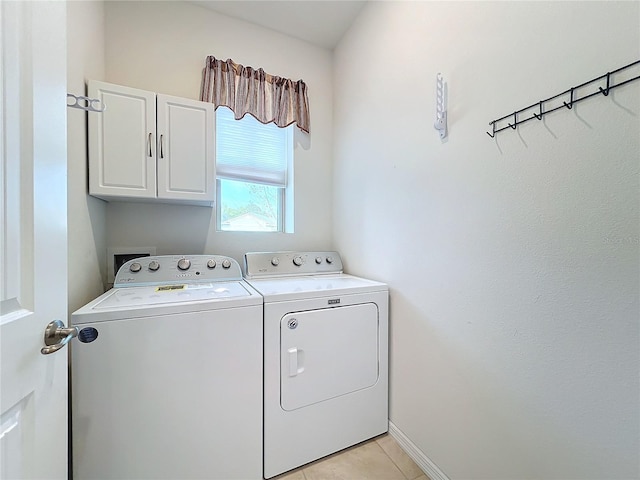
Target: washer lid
130,302
294,288
174,293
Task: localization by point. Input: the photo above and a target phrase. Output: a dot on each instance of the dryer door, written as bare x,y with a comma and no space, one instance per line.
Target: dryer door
327,353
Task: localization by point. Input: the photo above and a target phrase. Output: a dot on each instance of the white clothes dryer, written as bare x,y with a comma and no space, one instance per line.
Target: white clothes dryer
325,356
167,375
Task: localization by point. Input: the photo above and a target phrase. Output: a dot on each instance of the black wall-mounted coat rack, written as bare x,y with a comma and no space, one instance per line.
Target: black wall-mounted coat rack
572,95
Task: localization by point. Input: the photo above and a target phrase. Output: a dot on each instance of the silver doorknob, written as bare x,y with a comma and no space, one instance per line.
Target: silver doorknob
57,336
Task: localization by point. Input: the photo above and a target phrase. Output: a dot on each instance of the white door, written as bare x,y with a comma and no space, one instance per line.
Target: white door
33,246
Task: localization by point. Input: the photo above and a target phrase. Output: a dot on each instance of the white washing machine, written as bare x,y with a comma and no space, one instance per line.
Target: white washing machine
325,356
167,375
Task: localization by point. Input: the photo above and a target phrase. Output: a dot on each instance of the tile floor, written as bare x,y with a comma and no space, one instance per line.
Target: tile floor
377,459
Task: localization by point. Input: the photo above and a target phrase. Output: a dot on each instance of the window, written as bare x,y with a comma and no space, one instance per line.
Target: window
253,174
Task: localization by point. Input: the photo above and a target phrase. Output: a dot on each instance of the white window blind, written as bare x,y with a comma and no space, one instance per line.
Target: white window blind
250,151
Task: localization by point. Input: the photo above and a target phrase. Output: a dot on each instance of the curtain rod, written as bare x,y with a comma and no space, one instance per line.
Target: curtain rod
239,69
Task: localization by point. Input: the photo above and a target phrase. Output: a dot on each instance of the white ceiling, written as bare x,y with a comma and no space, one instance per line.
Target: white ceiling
320,22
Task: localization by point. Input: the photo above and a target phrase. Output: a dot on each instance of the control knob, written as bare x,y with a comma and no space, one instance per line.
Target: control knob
135,267
297,260
211,264
329,259
226,263
154,266
318,260
275,261
184,264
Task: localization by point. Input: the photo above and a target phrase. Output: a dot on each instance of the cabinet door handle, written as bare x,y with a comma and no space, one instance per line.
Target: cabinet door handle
150,152
161,146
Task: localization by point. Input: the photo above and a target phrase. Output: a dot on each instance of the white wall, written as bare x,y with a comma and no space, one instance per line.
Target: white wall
161,47
86,215
513,263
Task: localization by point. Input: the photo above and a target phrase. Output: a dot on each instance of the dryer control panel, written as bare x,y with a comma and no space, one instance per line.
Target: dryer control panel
281,264
177,269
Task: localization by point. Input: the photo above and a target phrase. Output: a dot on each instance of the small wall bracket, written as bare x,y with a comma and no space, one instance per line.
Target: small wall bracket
85,103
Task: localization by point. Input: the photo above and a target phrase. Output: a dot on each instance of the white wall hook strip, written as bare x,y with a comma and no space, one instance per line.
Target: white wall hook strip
84,103
441,108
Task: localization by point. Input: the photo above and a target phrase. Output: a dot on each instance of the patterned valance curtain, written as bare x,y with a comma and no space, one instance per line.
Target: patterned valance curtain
246,90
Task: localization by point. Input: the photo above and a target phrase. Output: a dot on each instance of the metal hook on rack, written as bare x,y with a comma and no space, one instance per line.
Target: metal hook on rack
539,117
605,91
493,124
570,104
515,121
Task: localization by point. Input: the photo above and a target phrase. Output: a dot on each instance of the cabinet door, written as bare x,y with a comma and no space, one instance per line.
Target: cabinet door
122,142
186,150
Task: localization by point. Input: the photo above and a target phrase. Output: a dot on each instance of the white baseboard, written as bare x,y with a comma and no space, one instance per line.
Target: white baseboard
417,455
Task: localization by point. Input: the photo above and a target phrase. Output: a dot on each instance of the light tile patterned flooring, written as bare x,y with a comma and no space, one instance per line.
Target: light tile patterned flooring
377,459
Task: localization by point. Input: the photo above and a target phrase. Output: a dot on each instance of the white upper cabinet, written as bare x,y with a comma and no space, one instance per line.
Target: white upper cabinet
151,147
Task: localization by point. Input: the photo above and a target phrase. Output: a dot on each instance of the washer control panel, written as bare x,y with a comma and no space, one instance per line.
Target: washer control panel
270,264
177,269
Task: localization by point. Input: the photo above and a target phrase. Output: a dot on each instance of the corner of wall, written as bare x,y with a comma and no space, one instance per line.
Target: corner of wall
86,215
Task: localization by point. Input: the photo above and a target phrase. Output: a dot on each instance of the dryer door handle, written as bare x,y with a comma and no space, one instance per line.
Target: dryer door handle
296,361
